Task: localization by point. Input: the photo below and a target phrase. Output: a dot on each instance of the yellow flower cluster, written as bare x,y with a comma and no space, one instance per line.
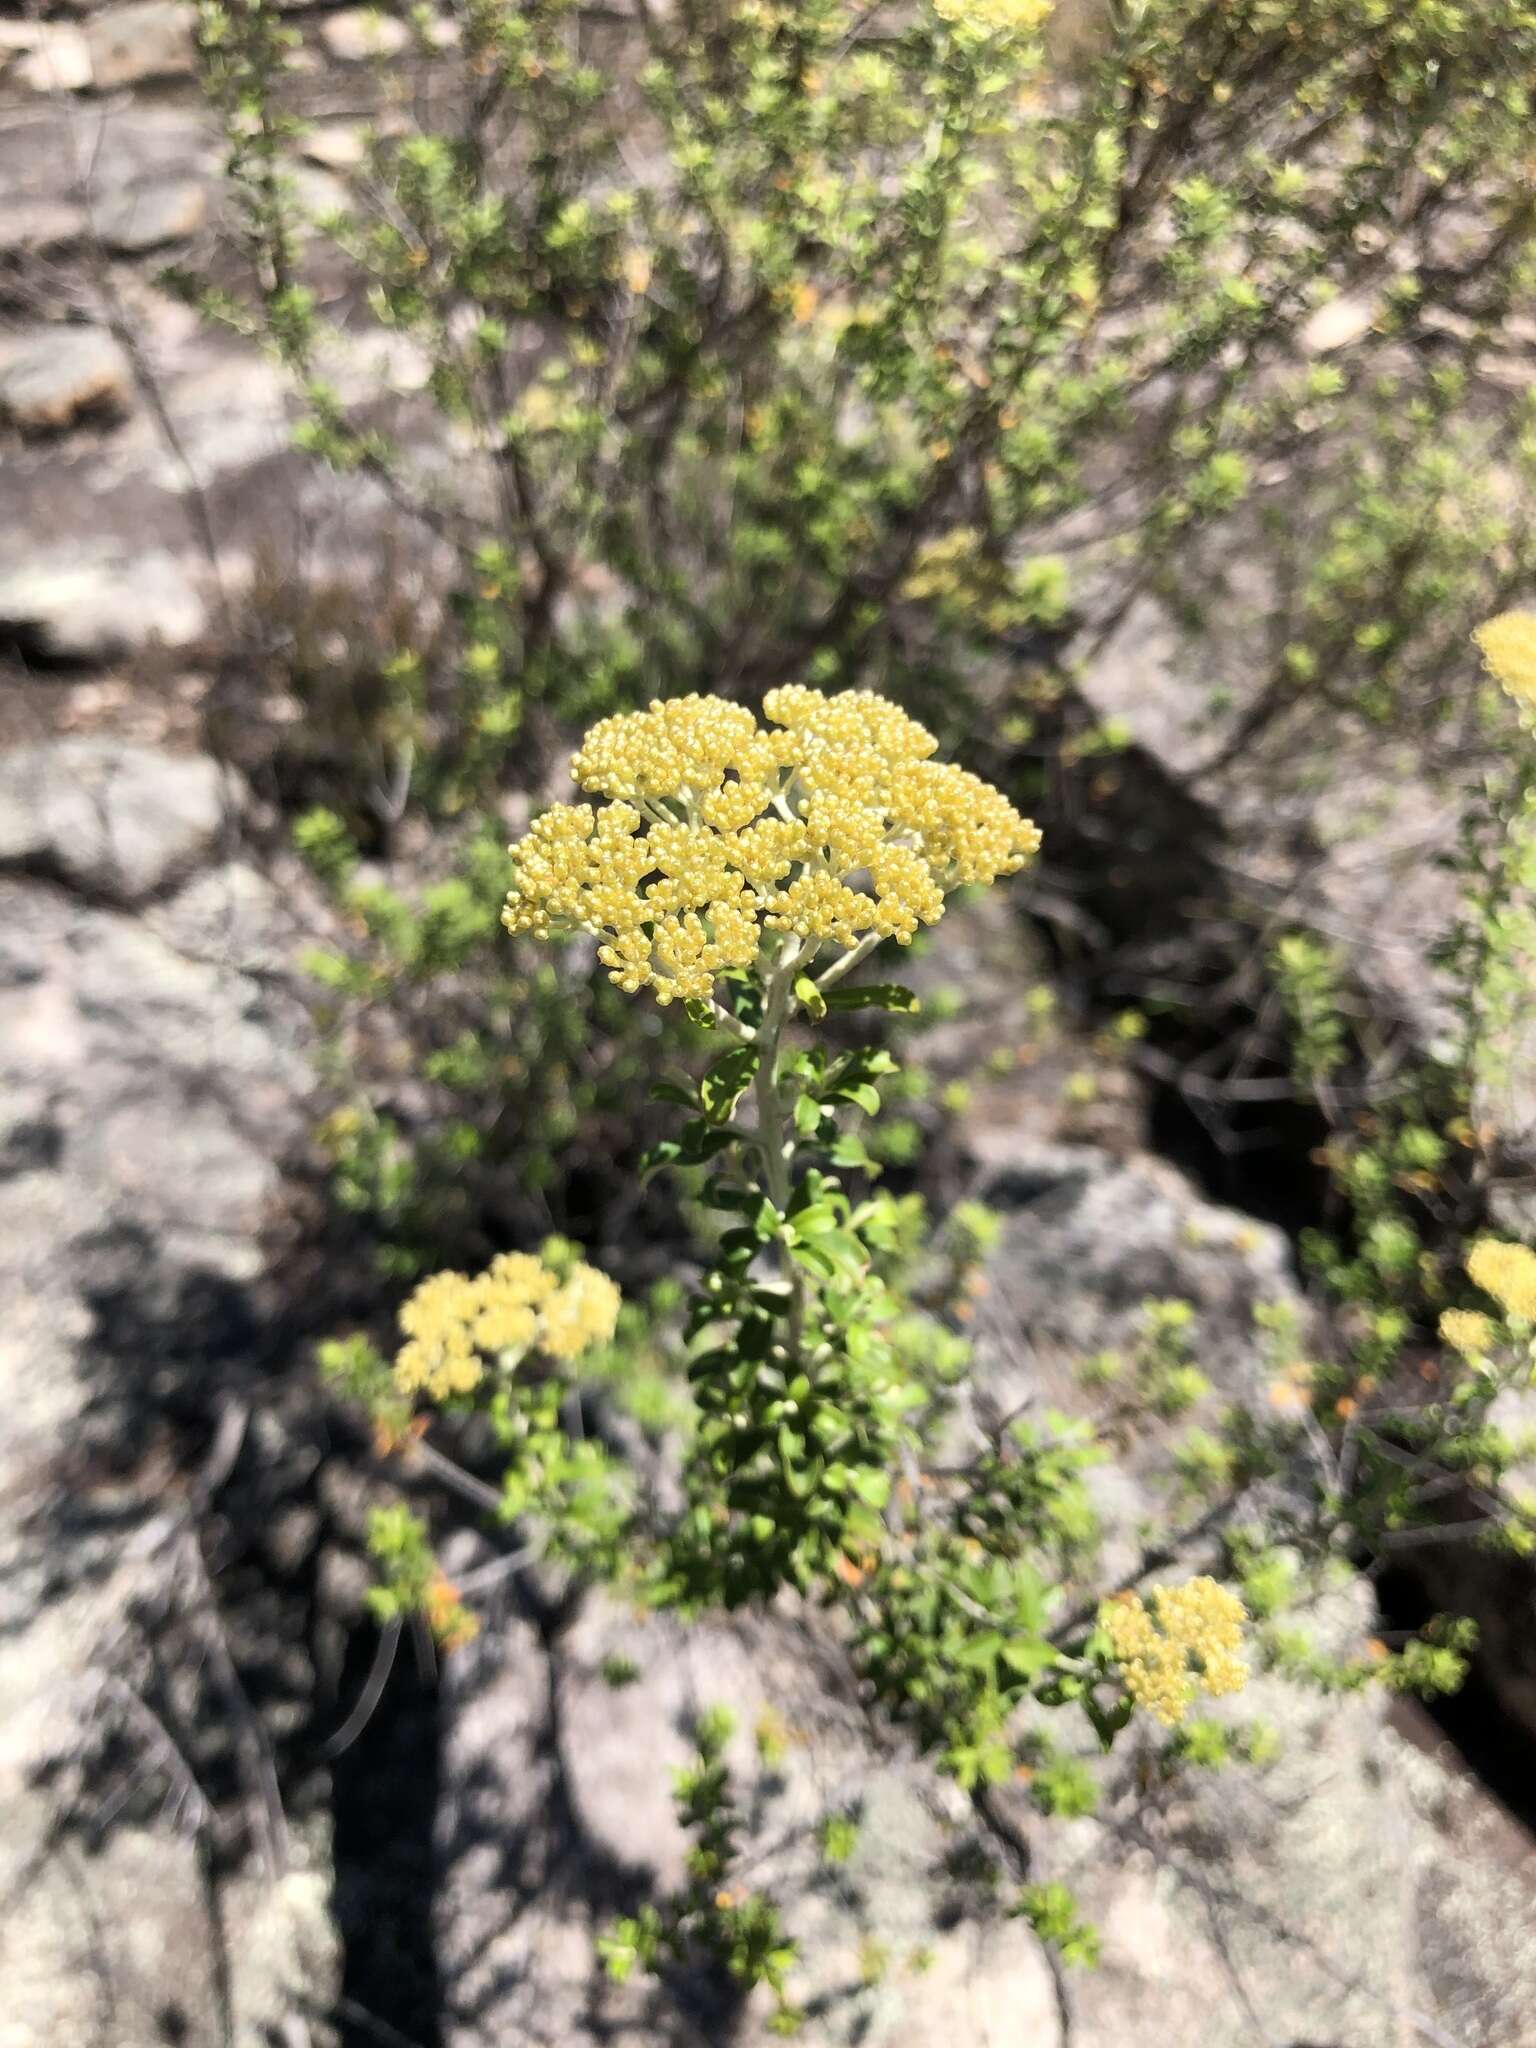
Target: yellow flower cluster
1189,1639
1509,648
1468,1331
996,17
836,826
1507,1272
454,1322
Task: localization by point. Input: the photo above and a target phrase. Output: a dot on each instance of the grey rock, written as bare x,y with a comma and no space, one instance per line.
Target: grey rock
149,39
1474,1879
167,1086
41,227
335,145
52,56
226,916
1340,1893
96,608
357,33
127,1928
559,1814
1088,1238
1323,1898
118,822
150,216
51,377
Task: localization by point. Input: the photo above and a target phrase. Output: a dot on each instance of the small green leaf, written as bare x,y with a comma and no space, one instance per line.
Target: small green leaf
724,1083
1027,1656
872,1486
875,995
810,998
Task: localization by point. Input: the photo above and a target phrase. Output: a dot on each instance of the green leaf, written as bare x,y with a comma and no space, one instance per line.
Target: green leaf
725,1082
872,1486
868,1063
810,998
760,1216
815,1220
1027,1656
874,995
814,1260
700,1141
669,1091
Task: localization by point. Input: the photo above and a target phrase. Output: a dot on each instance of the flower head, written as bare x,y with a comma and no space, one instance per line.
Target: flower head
1508,646
830,825
1468,1331
1187,1641
1507,1272
454,1323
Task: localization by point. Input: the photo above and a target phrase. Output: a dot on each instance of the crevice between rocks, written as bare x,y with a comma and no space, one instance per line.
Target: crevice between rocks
1153,912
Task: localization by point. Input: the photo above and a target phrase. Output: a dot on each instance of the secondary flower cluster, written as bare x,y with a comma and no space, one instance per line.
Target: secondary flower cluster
1189,1639
454,1322
1507,1272
1509,648
1468,1331
832,828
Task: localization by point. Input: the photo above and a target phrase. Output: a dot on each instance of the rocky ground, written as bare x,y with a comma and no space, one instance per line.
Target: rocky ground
186,1855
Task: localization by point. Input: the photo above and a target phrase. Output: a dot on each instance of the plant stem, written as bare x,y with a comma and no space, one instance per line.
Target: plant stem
850,960
771,1139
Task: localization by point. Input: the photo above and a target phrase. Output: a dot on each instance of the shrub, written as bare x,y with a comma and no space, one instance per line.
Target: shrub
806,339
745,872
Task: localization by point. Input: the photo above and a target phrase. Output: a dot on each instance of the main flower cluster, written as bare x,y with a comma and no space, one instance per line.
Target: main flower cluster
1189,1639
454,1322
836,826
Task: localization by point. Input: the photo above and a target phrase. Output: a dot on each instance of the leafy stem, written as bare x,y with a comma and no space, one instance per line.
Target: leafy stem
775,1146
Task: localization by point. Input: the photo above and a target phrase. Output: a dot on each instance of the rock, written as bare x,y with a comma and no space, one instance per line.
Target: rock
117,822
1335,1895
95,611
1087,1238
51,56
151,215
1474,1880
130,1922
40,227
148,39
51,377
224,916
119,1253
1338,324
1349,1891
357,33
558,1817
334,145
